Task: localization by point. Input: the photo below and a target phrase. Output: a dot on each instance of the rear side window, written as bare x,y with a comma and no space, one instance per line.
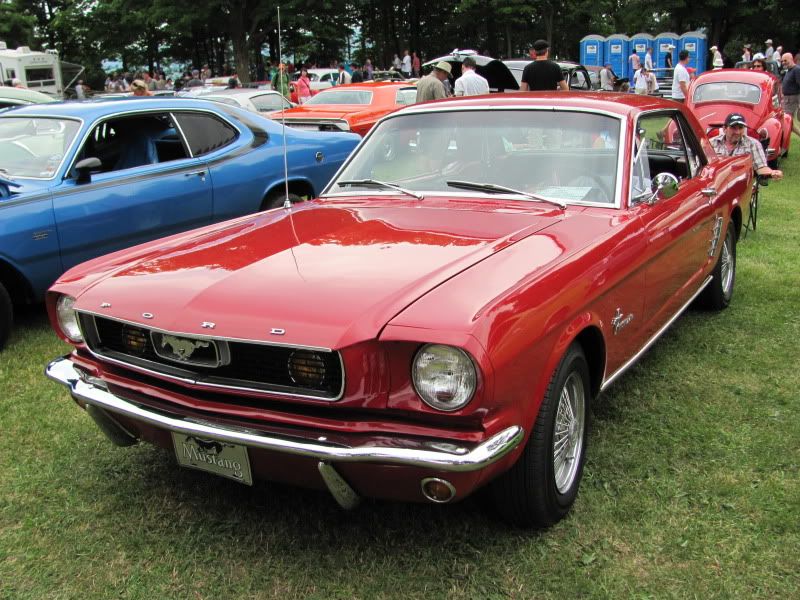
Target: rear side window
205,133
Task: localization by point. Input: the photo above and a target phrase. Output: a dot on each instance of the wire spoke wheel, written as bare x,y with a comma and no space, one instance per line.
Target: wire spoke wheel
568,432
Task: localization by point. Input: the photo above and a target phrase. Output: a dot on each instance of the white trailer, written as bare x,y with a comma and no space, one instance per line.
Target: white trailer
38,71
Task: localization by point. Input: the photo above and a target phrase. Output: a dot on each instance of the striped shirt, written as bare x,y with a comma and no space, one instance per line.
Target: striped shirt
746,145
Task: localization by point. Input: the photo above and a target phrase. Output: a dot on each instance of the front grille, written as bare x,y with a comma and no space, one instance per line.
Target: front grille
216,362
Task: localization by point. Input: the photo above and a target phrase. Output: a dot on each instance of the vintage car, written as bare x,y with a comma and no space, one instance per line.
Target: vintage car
321,79
352,107
438,321
82,179
757,95
11,96
496,73
252,99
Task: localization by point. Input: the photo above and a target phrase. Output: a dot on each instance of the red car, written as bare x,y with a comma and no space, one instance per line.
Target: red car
439,320
757,95
354,107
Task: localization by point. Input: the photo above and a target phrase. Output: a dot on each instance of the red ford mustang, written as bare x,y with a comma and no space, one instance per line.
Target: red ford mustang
354,107
438,321
754,94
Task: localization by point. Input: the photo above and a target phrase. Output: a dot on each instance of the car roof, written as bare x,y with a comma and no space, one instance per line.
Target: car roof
611,102
239,92
25,95
94,109
736,75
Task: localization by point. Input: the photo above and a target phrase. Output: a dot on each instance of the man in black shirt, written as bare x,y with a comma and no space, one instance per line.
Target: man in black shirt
791,90
542,74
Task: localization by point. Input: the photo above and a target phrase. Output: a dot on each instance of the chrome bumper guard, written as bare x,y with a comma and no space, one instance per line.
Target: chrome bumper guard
438,455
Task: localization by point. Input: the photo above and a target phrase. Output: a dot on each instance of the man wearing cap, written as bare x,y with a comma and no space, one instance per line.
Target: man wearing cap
542,74
470,83
431,87
716,59
769,51
734,141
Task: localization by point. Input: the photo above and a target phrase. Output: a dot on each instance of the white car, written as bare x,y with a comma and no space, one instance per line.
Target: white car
255,100
321,79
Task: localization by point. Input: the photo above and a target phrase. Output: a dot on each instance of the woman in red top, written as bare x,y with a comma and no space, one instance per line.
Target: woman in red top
303,86
415,65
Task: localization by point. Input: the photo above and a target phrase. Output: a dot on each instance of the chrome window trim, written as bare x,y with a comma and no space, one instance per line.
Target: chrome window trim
744,83
145,111
66,154
424,109
200,384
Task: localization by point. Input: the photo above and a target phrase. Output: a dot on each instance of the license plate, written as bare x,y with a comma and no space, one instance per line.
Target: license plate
213,456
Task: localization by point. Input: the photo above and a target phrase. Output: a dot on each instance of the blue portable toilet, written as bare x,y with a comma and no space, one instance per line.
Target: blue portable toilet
617,50
593,50
666,43
695,43
640,43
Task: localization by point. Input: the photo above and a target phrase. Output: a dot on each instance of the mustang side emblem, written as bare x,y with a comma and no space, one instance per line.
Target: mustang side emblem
277,331
618,323
182,348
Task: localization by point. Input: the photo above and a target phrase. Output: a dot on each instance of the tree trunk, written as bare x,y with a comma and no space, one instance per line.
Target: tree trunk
241,53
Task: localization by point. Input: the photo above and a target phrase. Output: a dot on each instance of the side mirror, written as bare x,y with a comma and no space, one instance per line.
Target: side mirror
84,168
665,185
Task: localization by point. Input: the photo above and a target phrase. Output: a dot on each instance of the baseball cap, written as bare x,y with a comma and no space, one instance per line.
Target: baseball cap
768,42
540,45
735,119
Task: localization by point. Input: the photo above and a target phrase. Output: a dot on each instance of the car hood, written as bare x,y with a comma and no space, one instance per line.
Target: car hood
328,275
496,73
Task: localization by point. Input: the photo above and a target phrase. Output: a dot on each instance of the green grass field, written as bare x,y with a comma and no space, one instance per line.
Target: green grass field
691,490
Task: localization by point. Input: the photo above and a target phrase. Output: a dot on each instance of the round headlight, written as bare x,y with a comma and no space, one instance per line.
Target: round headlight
68,318
444,376
306,368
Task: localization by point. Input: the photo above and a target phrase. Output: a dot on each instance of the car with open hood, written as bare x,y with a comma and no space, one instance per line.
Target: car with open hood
354,107
438,321
496,73
80,179
756,95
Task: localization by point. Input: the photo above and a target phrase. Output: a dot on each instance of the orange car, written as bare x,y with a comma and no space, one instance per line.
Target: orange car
354,107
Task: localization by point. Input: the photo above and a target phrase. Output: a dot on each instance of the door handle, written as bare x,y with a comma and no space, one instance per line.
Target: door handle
708,192
196,173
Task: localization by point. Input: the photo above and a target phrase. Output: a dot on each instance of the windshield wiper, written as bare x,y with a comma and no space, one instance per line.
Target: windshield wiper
381,184
500,189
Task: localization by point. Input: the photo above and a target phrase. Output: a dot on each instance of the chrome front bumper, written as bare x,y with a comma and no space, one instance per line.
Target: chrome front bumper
442,455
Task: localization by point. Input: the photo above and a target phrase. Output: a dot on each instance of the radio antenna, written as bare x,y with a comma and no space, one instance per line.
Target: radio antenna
286,202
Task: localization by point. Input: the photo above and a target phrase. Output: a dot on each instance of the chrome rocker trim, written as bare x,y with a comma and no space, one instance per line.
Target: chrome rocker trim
444,455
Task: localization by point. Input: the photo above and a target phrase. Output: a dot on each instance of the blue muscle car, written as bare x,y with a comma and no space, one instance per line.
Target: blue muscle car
78,180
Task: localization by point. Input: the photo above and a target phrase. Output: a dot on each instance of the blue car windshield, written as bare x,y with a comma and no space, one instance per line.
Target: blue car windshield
34,146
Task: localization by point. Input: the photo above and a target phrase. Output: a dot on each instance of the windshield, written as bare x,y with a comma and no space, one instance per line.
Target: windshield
33,146
565,156
727,91
335,96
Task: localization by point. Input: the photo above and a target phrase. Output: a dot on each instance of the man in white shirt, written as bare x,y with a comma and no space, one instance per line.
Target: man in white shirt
680,77
607,78
470,83
648,59
769,51
406,64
